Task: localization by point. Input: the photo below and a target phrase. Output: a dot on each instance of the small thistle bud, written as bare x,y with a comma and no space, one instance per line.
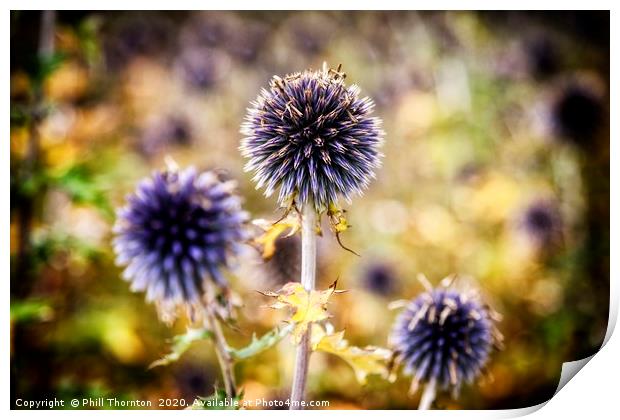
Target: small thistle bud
175,234
312,137
445,337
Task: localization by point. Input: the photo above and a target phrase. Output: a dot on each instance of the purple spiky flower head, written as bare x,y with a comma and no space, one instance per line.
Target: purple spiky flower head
444,336
175,234
312,137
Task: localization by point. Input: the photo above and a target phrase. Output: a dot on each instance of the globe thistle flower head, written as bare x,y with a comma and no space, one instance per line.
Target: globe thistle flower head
201,68
543,57
578,114
193,379
379,278
542,223
174,236
163,133
312,137
445,336
134,35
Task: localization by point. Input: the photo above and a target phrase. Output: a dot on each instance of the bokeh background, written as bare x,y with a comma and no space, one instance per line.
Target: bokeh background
496,168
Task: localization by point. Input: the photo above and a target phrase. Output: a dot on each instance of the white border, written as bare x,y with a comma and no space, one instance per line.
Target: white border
315,4
594,393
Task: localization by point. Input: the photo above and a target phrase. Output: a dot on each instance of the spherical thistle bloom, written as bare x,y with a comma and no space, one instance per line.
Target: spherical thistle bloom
246,41
207,29
307,33
444,337
201,68
133,35
542,223
578,114
379,278
193,379
312,137
176,233
542,56
163,133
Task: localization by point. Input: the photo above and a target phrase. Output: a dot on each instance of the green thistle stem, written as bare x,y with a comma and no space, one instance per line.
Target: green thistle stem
308,276
223,356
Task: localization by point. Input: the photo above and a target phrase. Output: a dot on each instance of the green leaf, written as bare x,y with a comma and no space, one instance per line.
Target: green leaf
19,115
89,34
47,64
48,244
31,310
79,182
259,345
180,344
218,401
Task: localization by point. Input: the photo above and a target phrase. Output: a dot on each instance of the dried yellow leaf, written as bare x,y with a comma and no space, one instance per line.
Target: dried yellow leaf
307,306
365,361
272,231
337,220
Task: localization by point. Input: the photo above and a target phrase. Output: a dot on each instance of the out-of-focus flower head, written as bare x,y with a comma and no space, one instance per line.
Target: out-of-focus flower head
397,83
312,137
201,67
194,380
209,29
176,233
248,37
163,132
379,278
445,336
309,32
577,114
542,222
134,35
241,37
542,56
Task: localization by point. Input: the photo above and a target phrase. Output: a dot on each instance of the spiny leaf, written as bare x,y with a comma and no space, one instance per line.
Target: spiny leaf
218,401
365,361
306,307
272,231
258,345
180,344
